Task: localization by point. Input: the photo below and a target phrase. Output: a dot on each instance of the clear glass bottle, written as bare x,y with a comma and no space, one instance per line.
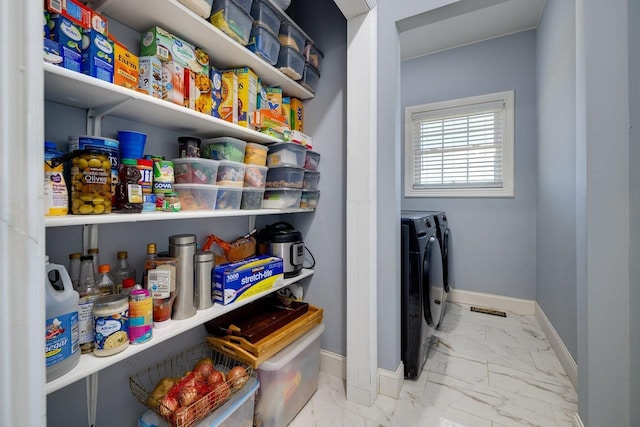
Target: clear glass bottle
123,269
95,253
105,281
151,255
128,285
89,291
74,269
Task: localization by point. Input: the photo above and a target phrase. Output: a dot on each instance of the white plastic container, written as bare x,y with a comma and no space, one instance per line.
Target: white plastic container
62,336
288,380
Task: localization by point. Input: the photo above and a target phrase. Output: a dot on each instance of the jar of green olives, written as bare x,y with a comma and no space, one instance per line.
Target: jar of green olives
90,182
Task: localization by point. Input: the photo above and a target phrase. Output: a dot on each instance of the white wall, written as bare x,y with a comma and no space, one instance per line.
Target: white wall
493,239
556,207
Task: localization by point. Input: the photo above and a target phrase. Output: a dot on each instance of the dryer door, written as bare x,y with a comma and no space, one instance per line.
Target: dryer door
433,284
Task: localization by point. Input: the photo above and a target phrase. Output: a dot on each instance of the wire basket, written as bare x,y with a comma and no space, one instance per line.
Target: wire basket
182,394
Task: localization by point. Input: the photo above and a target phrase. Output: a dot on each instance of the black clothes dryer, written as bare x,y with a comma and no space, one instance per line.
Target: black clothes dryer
422,288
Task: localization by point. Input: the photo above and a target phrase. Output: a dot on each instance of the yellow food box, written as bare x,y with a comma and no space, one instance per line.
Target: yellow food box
247,94
274,99
203,100
125,68
286,110
296,119
229,105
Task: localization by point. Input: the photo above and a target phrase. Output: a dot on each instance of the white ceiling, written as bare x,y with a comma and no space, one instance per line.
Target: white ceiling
465,22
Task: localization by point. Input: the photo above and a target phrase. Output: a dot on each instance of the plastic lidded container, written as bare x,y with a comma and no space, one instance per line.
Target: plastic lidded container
255,176
264,44
286,154
245,5
281,198
313,55
255,154
200,7
195,170
285,177
312,160
265,15
232,20
289,35
310,78
197,197
90,182
311,179
111,314
290,62
309,199
230,174
252,198
224,148
228,198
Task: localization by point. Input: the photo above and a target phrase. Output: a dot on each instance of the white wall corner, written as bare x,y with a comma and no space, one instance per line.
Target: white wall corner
496,302
390,382
577,422
563,354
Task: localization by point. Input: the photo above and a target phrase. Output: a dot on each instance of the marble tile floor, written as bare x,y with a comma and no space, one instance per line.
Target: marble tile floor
482,371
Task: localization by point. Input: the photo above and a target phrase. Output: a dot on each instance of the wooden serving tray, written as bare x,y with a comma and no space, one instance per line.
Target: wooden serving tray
254,354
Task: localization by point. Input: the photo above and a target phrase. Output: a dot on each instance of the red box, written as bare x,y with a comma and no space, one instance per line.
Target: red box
77,12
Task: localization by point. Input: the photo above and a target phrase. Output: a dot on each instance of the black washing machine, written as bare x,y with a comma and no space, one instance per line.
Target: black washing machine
422,287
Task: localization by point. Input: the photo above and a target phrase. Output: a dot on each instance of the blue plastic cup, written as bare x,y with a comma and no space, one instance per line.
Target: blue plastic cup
131,144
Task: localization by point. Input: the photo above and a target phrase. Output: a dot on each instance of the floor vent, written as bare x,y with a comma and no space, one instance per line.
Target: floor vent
489,311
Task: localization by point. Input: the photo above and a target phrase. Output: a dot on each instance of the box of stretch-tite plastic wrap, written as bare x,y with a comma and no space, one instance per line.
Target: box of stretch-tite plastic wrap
236,281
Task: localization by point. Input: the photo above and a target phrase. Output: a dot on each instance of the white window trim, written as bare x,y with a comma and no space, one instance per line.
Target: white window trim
507,190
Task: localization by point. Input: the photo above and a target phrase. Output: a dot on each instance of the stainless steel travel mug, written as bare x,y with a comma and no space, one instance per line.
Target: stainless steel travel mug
204,262
183,247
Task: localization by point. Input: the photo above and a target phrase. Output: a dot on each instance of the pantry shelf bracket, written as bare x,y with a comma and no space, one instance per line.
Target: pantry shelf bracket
92,398
252,223
89,237
96,114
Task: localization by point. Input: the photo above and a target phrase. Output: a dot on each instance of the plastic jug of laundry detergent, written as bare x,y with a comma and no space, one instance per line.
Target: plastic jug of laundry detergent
62,349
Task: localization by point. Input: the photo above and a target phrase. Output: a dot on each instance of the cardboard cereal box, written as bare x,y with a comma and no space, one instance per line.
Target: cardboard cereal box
168,47
69,37
173,82
274,99
297,115
286,109
125,67
247,94
216,91
150,76
73,10
229,102
203,88
97,55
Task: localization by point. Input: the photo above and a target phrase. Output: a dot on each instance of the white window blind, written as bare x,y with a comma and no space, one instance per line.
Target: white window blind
459,145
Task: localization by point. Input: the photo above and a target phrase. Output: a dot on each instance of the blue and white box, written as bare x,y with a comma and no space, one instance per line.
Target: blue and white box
236,281
97,55
69,37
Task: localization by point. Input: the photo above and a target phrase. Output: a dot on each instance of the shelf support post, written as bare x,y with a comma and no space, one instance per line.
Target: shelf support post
95,116
252,223
92,398
89,237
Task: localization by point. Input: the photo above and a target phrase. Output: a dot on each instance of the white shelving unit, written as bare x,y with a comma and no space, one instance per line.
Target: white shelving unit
90,364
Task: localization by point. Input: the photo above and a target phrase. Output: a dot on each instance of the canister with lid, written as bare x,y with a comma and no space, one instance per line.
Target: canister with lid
183,247
204,263
111,314
90,182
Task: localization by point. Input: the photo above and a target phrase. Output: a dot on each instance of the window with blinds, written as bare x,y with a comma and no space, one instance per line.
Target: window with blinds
460,148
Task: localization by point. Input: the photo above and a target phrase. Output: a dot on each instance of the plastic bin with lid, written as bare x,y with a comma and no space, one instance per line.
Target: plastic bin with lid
263,14
310,78
290,62
229,198
230,174
264,44
200,7
313,55
196,197
252,198
237,411
255,154
285,177
223,148
286,154
255,176
195,170
281,198
309,199
245,5
232,20
312,160
310,181
288,380
289,35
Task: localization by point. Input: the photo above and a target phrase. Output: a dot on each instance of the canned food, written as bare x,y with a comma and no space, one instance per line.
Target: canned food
90,182
111,314
140,316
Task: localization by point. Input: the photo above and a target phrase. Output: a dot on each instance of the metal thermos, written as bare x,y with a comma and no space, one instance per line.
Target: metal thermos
183,247
204,263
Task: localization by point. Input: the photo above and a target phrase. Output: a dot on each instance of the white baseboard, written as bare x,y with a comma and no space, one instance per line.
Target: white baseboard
577,422
389,382
565,358
333,364
496,302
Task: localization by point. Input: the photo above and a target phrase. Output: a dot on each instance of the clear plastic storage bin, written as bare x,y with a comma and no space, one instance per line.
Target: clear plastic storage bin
229,198
232,20
290,36
245,5
312,160
255,154
230,174
281,198
309,199
264,44
290,62
285,177
194,170
311,179
263,14
288,380
252,198
224,148
313,55
286,154
310,78
255,176
196,197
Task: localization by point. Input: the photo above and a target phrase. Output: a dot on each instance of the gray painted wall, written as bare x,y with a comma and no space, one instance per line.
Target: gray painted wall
493,239
634,209
556,208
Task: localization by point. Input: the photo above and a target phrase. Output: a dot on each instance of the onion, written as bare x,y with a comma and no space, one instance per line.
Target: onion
237,377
